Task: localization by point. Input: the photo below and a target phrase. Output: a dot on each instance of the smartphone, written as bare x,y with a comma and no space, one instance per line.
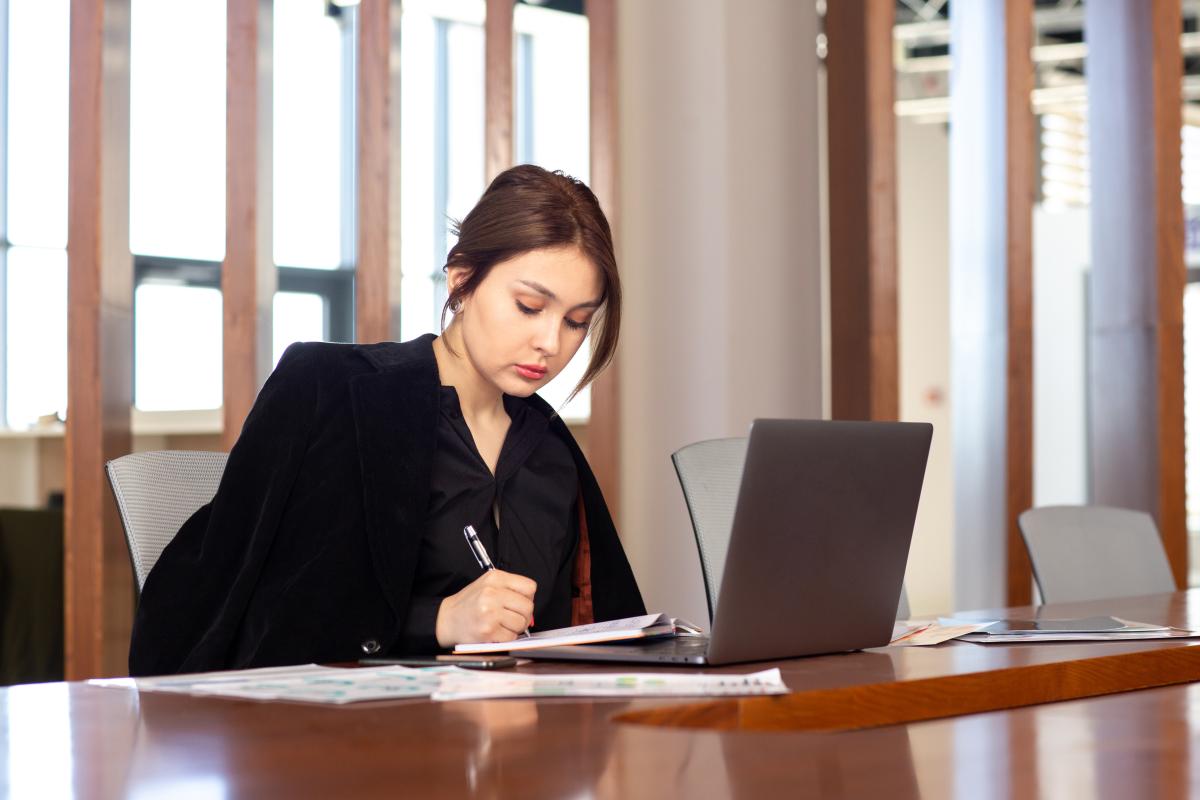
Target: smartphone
468,662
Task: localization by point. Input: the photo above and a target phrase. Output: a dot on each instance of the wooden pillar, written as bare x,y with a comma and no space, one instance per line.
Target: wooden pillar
498,88
97,579
604,427
377,279
862,211
1021,157
248,277
1138,275
991,210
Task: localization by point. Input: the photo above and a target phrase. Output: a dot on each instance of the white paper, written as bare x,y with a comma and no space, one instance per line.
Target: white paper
465,685
934,633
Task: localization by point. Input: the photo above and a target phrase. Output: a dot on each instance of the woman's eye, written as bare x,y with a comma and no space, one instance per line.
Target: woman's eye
526,309
575,326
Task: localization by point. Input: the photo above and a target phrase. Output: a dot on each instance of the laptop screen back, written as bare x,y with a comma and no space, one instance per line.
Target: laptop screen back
820,538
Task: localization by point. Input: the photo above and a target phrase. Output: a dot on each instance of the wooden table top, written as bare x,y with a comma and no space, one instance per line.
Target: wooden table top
72,738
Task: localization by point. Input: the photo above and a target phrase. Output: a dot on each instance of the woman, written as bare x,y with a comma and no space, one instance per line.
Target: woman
337,530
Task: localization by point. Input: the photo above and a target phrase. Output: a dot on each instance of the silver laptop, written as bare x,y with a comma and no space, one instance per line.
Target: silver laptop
816,559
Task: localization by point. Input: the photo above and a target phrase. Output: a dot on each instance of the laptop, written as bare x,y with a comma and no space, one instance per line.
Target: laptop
817,552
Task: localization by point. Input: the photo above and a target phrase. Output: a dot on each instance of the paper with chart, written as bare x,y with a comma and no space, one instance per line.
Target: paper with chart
310,683
494,685
306,683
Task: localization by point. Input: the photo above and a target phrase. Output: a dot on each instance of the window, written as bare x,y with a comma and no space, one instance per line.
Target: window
177,178
445,117
33,211
177,305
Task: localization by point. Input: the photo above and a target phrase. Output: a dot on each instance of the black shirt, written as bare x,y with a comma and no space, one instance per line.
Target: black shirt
535,489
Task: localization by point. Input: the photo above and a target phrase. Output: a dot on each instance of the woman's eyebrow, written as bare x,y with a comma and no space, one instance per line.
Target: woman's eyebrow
542,290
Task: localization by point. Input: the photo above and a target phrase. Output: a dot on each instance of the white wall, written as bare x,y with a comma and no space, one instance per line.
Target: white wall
719,245
923,195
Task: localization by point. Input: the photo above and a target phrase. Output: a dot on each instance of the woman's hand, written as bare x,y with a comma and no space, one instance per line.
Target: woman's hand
496,607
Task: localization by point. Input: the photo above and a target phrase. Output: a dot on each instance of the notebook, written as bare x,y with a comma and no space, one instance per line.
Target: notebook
820,537
618,630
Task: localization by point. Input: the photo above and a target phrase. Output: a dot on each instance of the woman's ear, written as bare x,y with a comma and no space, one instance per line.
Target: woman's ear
456,276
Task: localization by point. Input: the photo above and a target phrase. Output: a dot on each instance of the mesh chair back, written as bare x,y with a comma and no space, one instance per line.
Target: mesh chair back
710,473
157,492
1093,552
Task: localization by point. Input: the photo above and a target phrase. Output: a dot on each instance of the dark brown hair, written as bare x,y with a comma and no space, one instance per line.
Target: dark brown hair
527,208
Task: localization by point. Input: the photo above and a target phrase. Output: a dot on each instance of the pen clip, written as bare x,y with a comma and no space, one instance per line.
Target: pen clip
481,556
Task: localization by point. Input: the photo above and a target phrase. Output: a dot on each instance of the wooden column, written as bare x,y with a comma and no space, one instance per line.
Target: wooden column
862,211
604,426
498,88
377,277
97,579
248,276
1136,339
1021,157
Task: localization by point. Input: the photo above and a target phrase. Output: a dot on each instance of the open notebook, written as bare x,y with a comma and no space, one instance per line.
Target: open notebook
617,630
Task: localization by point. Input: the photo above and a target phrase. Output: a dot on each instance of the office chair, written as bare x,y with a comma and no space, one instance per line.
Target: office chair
710,473
156,493
1093,552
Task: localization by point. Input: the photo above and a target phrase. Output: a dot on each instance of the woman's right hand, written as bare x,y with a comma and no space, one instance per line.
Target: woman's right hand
496,607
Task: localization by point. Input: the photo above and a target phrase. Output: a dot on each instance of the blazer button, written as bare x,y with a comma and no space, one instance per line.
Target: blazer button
370,646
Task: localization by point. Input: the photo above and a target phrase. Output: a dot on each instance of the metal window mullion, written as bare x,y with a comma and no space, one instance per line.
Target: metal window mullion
349,155
441,150
525,98
5,71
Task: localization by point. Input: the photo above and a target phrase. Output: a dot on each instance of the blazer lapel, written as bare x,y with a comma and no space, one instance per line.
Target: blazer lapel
395,418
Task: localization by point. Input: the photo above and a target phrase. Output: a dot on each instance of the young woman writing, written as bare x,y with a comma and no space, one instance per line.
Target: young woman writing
337,530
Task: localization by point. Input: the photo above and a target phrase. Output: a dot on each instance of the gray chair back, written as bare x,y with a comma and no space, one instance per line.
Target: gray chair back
157,492
710,473
1094,552
902,611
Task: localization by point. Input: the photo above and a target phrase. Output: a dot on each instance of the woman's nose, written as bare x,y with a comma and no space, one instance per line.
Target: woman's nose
546,341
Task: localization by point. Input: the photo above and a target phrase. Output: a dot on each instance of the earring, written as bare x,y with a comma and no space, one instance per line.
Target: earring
455,306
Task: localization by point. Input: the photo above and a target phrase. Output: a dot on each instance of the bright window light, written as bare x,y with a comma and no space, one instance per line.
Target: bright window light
307,135
178,353
36,335
38,41
177,129
298,317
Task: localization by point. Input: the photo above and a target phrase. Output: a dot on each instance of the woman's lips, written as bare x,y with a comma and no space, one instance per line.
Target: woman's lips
531,372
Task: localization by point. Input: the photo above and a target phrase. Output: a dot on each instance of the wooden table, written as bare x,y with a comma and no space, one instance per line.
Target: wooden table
58,739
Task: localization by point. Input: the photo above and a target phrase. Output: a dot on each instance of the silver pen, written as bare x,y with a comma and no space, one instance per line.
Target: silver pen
481,555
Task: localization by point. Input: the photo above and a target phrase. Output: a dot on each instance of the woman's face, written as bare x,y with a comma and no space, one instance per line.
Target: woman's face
528,317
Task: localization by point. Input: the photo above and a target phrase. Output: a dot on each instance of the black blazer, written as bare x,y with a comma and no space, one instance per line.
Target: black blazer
308,550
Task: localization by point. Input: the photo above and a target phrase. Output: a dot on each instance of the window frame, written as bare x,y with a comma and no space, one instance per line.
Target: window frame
4,243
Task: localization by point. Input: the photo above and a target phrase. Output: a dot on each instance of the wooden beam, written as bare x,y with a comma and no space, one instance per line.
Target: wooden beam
1138,273
498,88
862,211
1171,280
97,578
1021,160
248,277
377,280
604,426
